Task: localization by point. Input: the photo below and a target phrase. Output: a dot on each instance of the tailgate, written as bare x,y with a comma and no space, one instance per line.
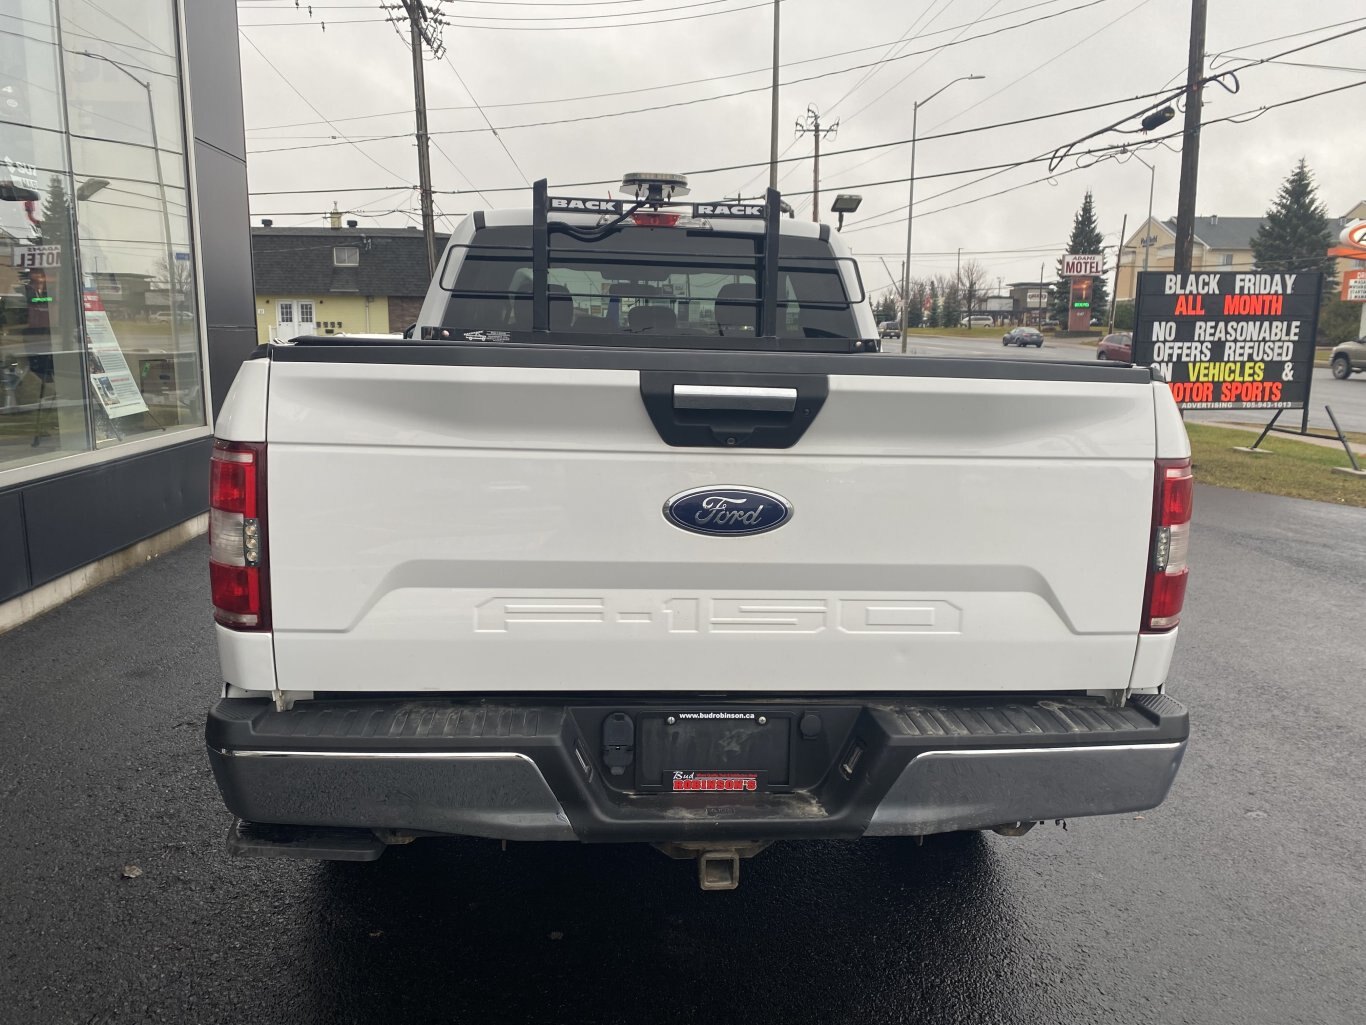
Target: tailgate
492,520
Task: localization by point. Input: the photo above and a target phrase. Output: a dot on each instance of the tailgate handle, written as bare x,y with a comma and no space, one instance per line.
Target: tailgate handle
706,396
720,409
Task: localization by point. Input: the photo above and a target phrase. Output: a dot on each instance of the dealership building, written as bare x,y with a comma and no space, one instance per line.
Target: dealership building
125,281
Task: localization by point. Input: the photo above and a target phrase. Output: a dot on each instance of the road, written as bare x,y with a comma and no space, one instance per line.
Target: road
1239,901
1348,398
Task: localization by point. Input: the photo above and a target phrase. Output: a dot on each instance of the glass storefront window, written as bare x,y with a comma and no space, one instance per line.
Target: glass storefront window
42,391
99,322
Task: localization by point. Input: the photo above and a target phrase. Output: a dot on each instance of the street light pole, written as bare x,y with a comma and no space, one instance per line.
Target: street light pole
161,185
910,200
958,281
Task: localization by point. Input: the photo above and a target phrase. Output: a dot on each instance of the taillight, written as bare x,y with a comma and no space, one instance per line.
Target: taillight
237,535
1167,570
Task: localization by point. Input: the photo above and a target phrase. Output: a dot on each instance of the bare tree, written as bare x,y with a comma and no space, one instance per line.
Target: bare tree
974,282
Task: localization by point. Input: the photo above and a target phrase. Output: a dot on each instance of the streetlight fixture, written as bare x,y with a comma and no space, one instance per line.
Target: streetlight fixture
845,203
90,186
910,205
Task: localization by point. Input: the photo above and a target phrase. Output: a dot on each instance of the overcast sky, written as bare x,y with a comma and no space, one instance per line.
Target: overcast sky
1089,52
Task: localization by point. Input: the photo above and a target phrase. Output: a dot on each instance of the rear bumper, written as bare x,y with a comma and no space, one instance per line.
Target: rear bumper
528,771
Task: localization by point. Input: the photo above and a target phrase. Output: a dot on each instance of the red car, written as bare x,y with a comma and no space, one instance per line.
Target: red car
1118,346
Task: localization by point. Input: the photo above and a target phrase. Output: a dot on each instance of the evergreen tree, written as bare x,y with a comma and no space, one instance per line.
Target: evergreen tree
1295,236
1086,238
915,316
57,231
934,304
885,308
953,304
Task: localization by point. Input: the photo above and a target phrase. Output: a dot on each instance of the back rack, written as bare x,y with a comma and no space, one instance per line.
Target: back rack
770,210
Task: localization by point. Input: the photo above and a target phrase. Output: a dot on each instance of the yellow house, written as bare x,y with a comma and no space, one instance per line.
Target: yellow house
337,280
1221,243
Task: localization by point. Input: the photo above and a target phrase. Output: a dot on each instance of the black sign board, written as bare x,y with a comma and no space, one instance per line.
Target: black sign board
1229,340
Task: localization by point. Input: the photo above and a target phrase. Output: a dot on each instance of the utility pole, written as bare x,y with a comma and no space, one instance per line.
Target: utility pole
1190,142
1043,294
811,125
773,117
958,281
1119,259
423,30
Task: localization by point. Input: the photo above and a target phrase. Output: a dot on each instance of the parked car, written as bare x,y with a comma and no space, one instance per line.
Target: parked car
1118,346
165,316
1349,358
976,320
1023,336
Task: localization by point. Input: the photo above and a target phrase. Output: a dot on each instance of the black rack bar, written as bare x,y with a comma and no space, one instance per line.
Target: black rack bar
768,313
540,256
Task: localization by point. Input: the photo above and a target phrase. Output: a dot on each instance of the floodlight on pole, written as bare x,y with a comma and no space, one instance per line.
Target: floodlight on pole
910,203
845,203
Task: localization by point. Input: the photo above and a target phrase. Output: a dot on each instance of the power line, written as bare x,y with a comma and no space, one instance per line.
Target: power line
920,67
310,103
831,153
1291,35
1039,67
1240,118
693,81
764,163
704,99
456,167
591,17
898,44
1061,152
516,28
481,3
470,94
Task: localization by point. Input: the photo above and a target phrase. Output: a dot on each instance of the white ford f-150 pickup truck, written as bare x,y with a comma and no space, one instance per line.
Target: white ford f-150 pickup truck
639,537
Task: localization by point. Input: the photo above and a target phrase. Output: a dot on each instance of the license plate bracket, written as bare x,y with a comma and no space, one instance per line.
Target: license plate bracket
734,752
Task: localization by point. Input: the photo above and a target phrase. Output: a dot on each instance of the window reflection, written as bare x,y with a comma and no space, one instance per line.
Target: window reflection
99,331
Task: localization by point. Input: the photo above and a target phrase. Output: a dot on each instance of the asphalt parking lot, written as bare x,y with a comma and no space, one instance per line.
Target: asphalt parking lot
1239,901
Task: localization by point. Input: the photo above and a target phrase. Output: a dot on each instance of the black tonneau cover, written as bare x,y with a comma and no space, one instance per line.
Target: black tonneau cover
615,356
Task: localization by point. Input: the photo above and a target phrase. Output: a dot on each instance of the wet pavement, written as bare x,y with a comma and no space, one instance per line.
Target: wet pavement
1239,901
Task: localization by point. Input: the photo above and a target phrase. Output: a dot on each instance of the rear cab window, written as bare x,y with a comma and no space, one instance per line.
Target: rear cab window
650,282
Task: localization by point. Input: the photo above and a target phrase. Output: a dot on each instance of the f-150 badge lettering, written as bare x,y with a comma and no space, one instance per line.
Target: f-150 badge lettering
727,511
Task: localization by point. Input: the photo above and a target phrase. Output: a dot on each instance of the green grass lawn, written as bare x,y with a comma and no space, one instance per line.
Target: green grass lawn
1296,469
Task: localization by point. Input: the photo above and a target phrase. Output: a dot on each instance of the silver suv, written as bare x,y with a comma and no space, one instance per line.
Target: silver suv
1349,358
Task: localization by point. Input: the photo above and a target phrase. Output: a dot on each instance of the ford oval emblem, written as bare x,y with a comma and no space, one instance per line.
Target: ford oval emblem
727,511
